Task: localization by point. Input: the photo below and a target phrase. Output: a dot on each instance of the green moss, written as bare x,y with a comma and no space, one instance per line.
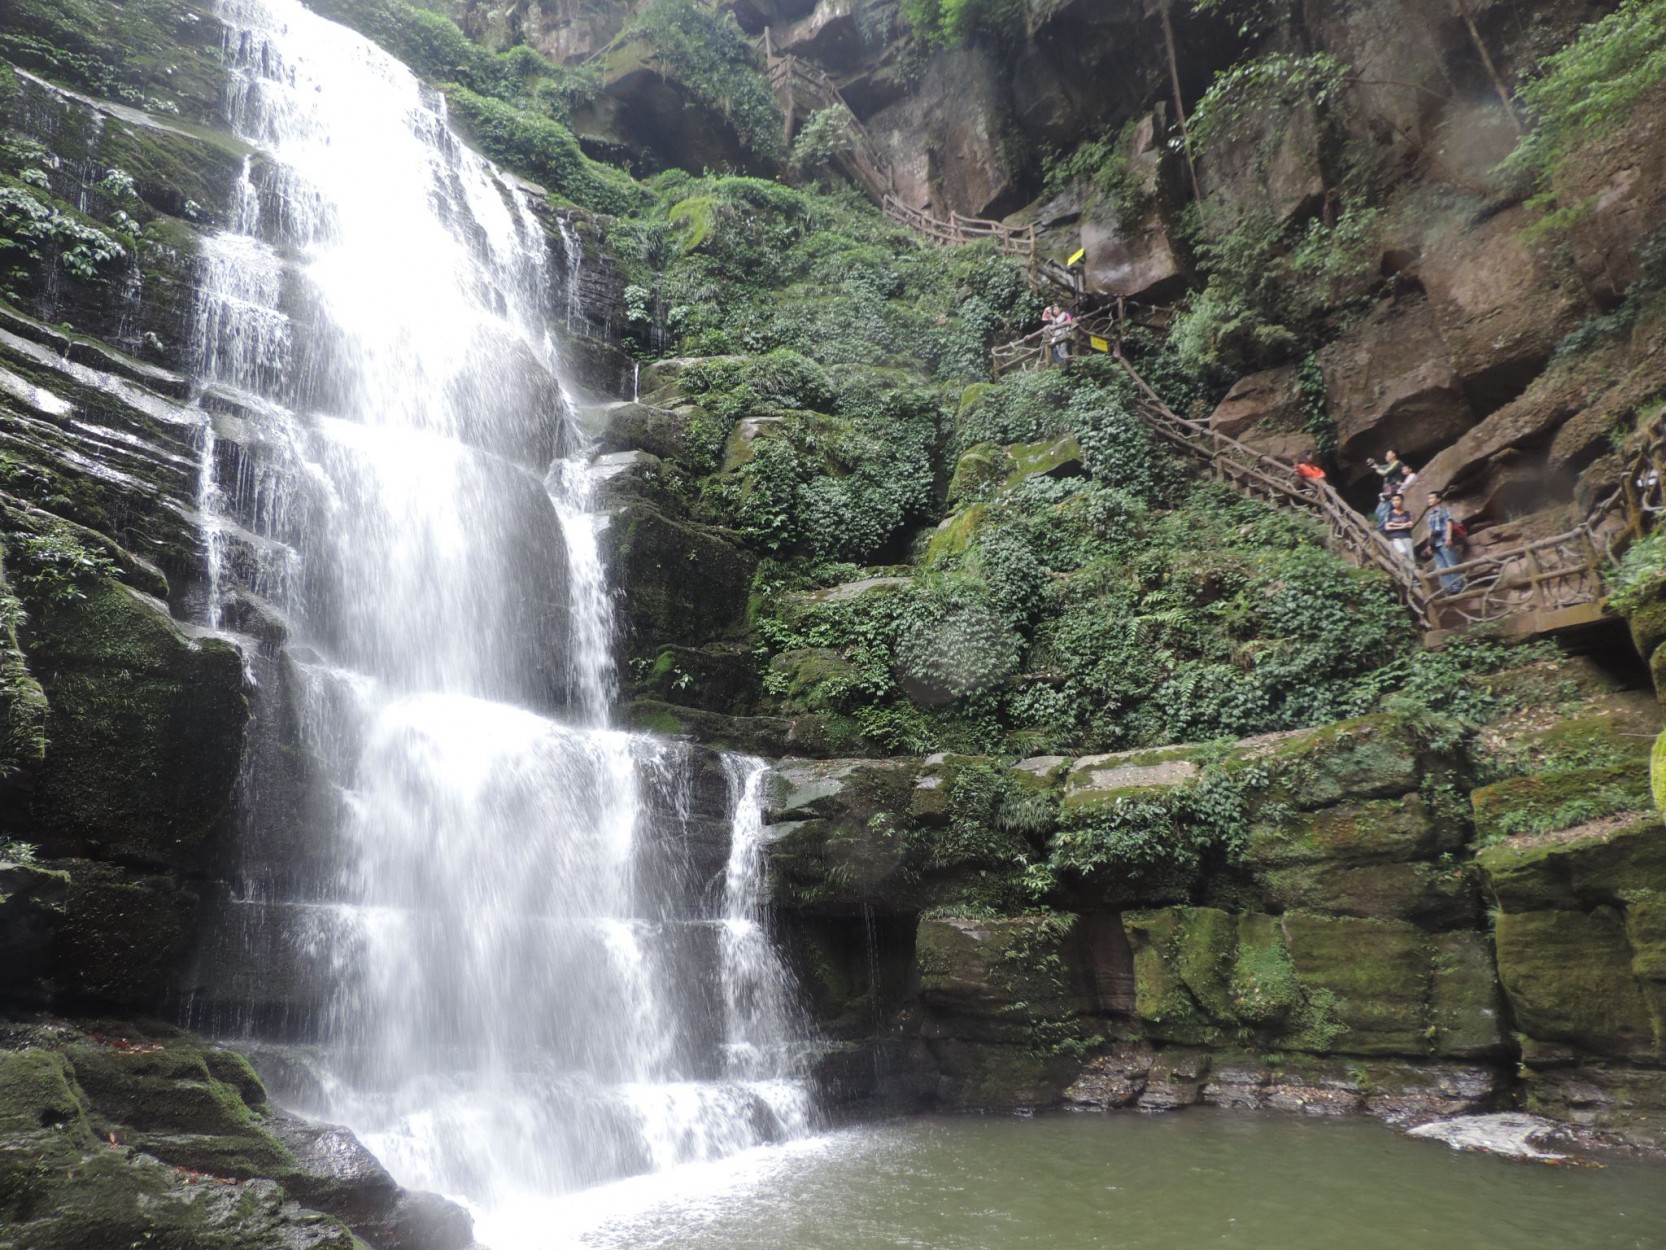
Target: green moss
1559,800
145,725
954,536
542,149
1374,978
1391,829
37,1091
1611,865
1657,773
1569,978
1060,457
1264,989
1465,1006
979,467
695,218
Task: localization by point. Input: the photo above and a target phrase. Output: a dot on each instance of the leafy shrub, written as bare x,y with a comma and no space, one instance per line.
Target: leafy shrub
34,229
1592,85
56,567
542,149
1633,581
943,23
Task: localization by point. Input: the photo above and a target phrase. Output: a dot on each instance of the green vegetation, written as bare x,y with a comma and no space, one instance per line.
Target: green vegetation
944,23
544,150
36,231
1593,85
435,49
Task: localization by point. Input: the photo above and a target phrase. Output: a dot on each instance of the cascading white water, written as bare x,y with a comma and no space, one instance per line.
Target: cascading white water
487,913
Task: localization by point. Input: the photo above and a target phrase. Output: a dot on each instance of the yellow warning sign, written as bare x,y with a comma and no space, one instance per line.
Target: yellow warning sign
1077,258
1098,344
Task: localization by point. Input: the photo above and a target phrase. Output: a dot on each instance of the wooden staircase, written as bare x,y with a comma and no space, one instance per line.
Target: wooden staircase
1544,586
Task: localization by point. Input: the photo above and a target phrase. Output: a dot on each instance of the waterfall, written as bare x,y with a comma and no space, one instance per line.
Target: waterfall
518,951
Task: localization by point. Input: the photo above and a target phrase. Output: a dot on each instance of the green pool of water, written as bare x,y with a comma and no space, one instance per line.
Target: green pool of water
1182,1182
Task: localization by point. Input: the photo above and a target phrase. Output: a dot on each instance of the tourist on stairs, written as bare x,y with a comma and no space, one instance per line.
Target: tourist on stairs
1443,541
1397,527
1307,468
1395,472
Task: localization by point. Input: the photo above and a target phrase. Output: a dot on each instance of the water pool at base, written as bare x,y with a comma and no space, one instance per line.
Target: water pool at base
1122,1182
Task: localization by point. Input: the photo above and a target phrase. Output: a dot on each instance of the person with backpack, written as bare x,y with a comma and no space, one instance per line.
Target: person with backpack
1446,537
1397,526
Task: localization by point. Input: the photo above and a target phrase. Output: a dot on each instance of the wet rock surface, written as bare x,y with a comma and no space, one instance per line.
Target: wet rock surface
146,1134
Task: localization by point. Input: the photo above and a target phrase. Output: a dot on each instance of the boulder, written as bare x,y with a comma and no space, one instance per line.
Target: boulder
1618,181
1500,302
145,726
1133,259
1274,166
680,583
944,143
1266,411
1390,383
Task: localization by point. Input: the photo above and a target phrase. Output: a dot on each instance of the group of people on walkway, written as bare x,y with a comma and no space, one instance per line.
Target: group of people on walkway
1445,535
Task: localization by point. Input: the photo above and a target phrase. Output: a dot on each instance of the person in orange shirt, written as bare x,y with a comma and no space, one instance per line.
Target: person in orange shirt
1307,468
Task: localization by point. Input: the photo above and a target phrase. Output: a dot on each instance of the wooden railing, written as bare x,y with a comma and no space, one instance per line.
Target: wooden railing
1012,240
796,83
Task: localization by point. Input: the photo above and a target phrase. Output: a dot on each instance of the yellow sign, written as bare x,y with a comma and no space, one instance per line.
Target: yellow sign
1077,258
1098,344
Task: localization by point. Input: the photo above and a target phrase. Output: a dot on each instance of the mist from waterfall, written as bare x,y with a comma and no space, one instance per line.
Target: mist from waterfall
518,951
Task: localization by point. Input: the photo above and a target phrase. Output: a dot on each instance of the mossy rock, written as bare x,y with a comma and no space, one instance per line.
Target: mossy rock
997,1076
1548,802
1466,1005
120,937
680,583
1570,980
1097,783
932,800
978,467
842,840
1647,620
33,901
953,537
1060,457
817,679
1381,830
1000,968
1377,973
145,725
1370,757
1203,976
1435,896
716,678
1610,863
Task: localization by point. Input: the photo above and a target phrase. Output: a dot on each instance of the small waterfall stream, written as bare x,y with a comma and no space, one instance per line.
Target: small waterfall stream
518,951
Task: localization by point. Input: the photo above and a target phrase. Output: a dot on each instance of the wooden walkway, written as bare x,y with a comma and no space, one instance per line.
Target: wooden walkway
1538,587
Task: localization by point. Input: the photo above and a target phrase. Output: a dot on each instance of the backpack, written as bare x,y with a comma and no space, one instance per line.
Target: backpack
1460,535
